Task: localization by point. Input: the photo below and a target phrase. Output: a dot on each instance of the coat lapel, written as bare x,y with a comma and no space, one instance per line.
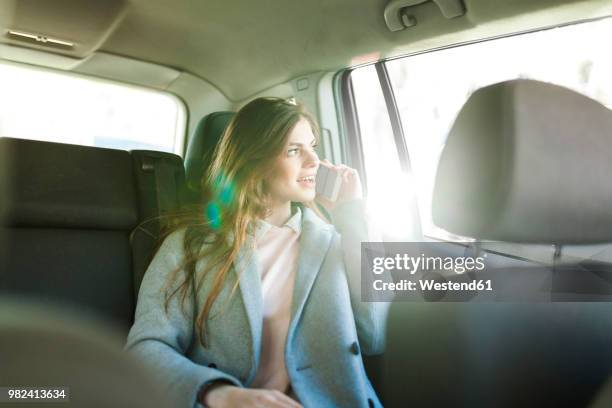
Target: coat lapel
314,244
315,240
247,267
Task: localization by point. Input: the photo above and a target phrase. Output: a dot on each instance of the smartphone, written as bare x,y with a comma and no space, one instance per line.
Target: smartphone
328,183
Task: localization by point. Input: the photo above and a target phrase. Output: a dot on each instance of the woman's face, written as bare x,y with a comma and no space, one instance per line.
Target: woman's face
293,175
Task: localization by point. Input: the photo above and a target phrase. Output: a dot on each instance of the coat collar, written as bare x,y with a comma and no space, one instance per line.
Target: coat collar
261,227
315,240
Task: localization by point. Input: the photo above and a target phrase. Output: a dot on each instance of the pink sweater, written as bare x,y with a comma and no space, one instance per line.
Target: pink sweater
277,252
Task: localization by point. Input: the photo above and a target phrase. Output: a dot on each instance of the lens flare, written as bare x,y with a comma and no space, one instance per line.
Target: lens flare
213,213
223,196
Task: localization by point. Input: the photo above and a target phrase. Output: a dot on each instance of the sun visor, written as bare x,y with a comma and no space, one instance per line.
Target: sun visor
72,28
527,161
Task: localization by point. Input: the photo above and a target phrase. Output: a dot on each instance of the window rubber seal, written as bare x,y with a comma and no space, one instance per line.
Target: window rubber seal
398,135
350,124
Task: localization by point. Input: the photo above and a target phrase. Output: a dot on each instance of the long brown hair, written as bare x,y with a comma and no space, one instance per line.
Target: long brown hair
234,187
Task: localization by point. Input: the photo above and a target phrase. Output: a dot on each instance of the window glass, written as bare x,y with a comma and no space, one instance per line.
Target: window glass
51,106
387,194
431,88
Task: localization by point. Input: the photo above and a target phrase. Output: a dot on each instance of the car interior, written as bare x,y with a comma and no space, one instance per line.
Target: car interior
483,125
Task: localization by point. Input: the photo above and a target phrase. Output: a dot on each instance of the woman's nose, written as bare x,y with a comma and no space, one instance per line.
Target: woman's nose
312,160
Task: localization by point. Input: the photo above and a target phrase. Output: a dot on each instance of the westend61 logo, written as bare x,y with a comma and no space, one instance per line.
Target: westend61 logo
422,271
462,272
424,264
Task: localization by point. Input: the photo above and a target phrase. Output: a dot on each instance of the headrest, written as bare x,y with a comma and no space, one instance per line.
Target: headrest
527,161
67,186
202,144
50,344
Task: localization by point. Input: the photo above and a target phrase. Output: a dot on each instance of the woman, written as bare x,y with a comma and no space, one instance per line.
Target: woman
259,291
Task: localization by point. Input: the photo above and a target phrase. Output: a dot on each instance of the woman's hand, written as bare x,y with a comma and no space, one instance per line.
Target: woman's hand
350,189
230,396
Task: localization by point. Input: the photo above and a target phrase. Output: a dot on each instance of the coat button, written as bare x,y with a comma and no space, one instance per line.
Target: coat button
212,365
355,348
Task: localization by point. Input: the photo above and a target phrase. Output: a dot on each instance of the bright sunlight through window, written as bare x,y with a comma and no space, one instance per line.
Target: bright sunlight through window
50,106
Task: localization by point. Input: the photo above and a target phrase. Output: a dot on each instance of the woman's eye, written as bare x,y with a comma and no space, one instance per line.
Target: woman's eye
293,152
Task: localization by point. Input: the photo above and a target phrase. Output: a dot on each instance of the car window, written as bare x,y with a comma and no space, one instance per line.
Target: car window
384,179
51,106
430,89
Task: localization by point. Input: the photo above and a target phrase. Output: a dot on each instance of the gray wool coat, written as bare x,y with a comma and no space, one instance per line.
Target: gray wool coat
329,329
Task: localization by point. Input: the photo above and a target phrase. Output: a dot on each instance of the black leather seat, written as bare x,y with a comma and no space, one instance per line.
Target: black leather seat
68,213
161,191
52,346
525,162
201,148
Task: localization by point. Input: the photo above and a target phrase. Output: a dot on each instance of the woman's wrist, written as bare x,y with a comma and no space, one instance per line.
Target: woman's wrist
210,392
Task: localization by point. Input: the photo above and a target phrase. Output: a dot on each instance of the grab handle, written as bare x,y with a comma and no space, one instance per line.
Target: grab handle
398,17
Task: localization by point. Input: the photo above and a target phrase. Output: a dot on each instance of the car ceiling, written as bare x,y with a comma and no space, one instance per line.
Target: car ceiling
243,46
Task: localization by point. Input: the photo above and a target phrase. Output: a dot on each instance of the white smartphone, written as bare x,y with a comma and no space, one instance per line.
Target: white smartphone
328,183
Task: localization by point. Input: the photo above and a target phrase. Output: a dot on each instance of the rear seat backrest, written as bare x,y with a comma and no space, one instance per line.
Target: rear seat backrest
201,148
160,184
70,210
69,213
